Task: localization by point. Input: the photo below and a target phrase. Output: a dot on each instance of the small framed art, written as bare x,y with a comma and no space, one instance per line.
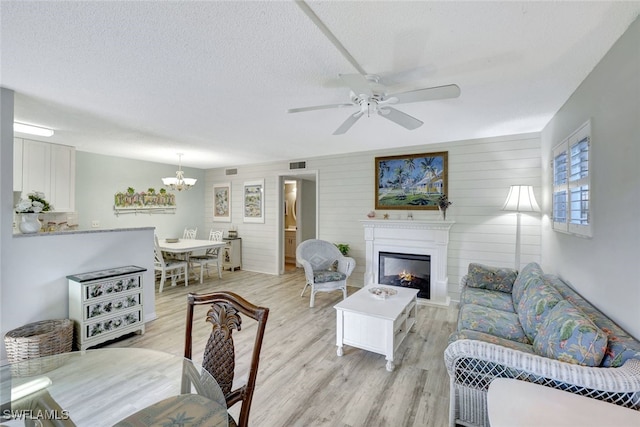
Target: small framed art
254,201
222,202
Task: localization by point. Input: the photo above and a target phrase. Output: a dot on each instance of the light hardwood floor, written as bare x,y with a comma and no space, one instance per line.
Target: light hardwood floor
301,380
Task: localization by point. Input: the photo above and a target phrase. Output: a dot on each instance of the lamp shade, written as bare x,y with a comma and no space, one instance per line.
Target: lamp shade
521,199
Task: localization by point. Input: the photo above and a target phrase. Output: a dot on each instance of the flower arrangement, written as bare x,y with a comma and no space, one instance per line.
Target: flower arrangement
443,204
34,203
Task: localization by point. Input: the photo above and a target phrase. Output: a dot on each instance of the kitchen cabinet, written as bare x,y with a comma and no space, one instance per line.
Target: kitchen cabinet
232,258
17,164
106,304
289,246
50,169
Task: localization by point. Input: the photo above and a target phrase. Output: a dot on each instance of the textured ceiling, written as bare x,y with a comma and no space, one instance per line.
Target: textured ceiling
213,79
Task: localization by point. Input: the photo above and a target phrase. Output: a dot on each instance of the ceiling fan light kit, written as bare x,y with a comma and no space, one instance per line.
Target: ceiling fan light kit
370,101
369,94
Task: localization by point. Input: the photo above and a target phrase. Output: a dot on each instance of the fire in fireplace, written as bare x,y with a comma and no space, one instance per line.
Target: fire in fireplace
406,270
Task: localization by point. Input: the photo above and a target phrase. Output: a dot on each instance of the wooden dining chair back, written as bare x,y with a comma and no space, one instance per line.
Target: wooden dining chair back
219,352
163,265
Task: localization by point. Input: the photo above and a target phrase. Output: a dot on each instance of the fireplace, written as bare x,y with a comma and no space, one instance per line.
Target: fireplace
420,245
405,270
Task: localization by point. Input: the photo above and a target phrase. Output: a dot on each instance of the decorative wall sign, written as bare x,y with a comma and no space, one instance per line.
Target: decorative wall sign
222,202
254,201
411,182
130,201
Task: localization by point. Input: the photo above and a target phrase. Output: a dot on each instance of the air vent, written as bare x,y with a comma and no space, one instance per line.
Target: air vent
297,165
231,172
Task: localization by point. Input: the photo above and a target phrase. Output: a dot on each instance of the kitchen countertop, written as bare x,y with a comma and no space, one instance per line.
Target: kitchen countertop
94,230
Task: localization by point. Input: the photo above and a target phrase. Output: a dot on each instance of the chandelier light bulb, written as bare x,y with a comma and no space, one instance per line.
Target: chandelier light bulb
179,182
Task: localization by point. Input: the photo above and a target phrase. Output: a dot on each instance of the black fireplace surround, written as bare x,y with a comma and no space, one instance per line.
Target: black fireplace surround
405,270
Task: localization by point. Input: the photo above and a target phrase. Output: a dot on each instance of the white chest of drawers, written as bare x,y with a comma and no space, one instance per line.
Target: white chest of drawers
106,304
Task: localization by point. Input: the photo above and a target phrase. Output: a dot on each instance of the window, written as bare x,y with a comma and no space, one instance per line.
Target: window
571,183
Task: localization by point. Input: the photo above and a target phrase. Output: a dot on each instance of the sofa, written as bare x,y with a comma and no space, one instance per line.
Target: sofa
534,327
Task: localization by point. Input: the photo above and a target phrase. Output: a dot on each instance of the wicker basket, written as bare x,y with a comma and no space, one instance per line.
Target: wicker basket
27,344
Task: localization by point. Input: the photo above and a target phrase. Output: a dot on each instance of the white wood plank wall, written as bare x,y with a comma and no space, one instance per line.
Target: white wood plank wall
480,173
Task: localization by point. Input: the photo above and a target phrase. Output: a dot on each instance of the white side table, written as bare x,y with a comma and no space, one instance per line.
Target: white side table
514,403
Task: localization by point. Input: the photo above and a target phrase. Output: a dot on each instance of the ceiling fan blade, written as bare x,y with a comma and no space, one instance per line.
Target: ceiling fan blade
351,120
405,77
426,94
357,83
329,35
397,116
318,107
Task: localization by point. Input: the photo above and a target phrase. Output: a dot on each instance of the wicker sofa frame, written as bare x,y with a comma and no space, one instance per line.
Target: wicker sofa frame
473,364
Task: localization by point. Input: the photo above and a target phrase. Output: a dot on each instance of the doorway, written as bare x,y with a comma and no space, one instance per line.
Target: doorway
299,215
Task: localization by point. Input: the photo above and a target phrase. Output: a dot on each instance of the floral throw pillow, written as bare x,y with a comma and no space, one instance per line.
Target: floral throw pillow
492,278
534,307
568,335
530,275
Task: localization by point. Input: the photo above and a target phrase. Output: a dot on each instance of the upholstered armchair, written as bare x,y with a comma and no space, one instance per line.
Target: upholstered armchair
325,268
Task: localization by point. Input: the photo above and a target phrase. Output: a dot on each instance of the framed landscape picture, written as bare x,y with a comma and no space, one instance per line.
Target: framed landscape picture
222,202
411,182
254,201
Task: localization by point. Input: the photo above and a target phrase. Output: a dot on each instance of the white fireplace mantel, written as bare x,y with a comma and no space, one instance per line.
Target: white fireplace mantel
412,237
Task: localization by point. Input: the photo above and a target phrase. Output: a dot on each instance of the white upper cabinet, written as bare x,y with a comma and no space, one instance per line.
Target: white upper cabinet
63,178
50,169
36,168
17,164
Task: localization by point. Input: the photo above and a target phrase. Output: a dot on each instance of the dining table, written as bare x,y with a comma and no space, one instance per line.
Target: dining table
123,387
185,247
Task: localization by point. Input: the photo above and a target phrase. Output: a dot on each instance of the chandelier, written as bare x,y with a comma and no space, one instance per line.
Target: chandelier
179,182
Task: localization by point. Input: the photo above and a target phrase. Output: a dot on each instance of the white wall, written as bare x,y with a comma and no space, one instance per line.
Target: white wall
35,287
33,284
480,173
6,187
99,178
606,268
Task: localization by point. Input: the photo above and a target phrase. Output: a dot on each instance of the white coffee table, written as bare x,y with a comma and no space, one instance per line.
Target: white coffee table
378,325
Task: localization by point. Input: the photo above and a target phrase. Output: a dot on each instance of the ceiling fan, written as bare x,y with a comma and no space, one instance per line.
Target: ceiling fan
368,92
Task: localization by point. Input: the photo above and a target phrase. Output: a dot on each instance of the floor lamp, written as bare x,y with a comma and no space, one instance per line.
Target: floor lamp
520,199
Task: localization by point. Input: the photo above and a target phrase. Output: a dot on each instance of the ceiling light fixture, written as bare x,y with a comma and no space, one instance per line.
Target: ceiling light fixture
179,182
31,129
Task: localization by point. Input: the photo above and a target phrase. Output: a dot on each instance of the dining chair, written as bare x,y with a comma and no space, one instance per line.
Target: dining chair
190,233
219,353
172,266
211,256
40,402
325,268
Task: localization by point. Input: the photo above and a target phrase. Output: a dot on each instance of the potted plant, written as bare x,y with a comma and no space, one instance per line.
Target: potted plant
343,248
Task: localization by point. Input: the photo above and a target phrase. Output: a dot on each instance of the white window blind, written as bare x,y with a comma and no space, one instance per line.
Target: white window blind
571,183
